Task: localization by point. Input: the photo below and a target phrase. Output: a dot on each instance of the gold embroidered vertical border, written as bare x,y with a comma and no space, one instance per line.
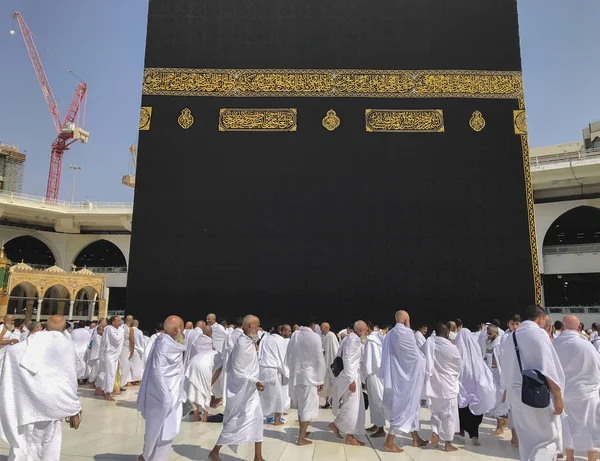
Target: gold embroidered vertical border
258,120
537,281
145,118
398,120
520,121
333,83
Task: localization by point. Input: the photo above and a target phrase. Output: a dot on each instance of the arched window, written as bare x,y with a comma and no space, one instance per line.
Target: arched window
30,250
101,254
575,227
596,143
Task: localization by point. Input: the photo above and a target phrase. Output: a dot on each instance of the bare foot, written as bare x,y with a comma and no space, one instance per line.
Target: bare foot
435,440
419,442
373,428
460,434
205,417
212,457
141,458
335,430
303,442
108,398
99,392
392,448
450,447
117,393
350,440
196,416
498,431
380,433
278,422
515,443
476,441
92,385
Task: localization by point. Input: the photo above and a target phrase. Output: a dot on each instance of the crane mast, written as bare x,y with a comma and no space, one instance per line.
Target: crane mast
69,130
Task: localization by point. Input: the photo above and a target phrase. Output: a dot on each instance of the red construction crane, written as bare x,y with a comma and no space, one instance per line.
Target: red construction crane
68,131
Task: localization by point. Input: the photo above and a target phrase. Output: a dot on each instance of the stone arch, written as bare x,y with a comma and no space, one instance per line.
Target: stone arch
56,300
101,253
86,298
23,298
30,249
577,226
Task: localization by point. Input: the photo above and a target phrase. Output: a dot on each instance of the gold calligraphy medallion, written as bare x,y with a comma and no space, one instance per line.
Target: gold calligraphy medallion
331,121
145,118
186,119
394,120
477,121
520,119
257,120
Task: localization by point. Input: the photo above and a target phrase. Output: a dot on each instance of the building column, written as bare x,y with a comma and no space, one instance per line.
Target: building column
29,308
60,308
71,305
38,316
102,309
3,304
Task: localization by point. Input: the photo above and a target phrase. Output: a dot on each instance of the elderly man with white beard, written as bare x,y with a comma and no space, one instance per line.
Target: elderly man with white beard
581,365
441,386
537,428
8,336
243,418
307,372
38,388
330,349
110,350
273,373
202,371
162,391
370,366
348,401
403,376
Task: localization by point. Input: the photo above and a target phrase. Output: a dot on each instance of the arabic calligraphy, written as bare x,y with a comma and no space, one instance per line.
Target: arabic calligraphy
185,119
332,83
145,118
520,118
477,122
257,120
393,120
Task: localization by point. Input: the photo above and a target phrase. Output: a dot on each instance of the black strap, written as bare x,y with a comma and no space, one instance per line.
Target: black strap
514,336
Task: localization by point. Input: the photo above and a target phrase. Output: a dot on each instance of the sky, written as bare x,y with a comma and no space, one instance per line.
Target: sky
103,41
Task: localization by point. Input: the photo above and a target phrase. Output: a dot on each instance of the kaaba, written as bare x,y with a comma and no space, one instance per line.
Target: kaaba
340,158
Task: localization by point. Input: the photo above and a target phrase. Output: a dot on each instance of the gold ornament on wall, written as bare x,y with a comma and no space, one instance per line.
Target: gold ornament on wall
185,119
145,118
331,121
520,119
257,119
477,121
394,120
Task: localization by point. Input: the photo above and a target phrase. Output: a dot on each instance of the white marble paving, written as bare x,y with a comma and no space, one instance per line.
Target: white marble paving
114,431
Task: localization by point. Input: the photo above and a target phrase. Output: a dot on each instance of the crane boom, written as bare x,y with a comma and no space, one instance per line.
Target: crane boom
39,70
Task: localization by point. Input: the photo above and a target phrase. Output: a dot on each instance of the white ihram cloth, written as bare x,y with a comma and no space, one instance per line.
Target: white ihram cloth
160,397
219,336
243,418
148,346
492,360
286,385
6,336
477,389
110,350
190,338
81,340
420,339
581,366
38,388
595,342
25,333
92,355
330,349
441,386
199,372
403,376
273,373
538,429
306,370
137,361
371,364
228,346
349,407
124,360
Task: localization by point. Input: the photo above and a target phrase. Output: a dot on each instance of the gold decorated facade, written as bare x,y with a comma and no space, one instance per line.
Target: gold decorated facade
333,83
394,120
258,120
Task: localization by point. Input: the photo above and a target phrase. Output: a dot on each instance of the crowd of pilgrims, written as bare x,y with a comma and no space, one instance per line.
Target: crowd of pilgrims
459,374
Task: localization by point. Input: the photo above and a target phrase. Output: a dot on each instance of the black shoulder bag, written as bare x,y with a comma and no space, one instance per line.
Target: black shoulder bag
535,391
337,366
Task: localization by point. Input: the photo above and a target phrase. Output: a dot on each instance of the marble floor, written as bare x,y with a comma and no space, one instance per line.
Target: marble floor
115,431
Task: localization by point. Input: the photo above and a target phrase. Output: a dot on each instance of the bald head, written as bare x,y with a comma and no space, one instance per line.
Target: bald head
129,320
403,318
250,325
211,319
286,330
571,322
206,330
9,319
325,328
173,326
189,325
56,323
360,328
135,323
201,324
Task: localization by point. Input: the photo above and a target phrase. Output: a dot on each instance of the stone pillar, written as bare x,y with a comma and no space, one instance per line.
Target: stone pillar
60,308
29,309
91,309
102,309
3,304
71,304
38,316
